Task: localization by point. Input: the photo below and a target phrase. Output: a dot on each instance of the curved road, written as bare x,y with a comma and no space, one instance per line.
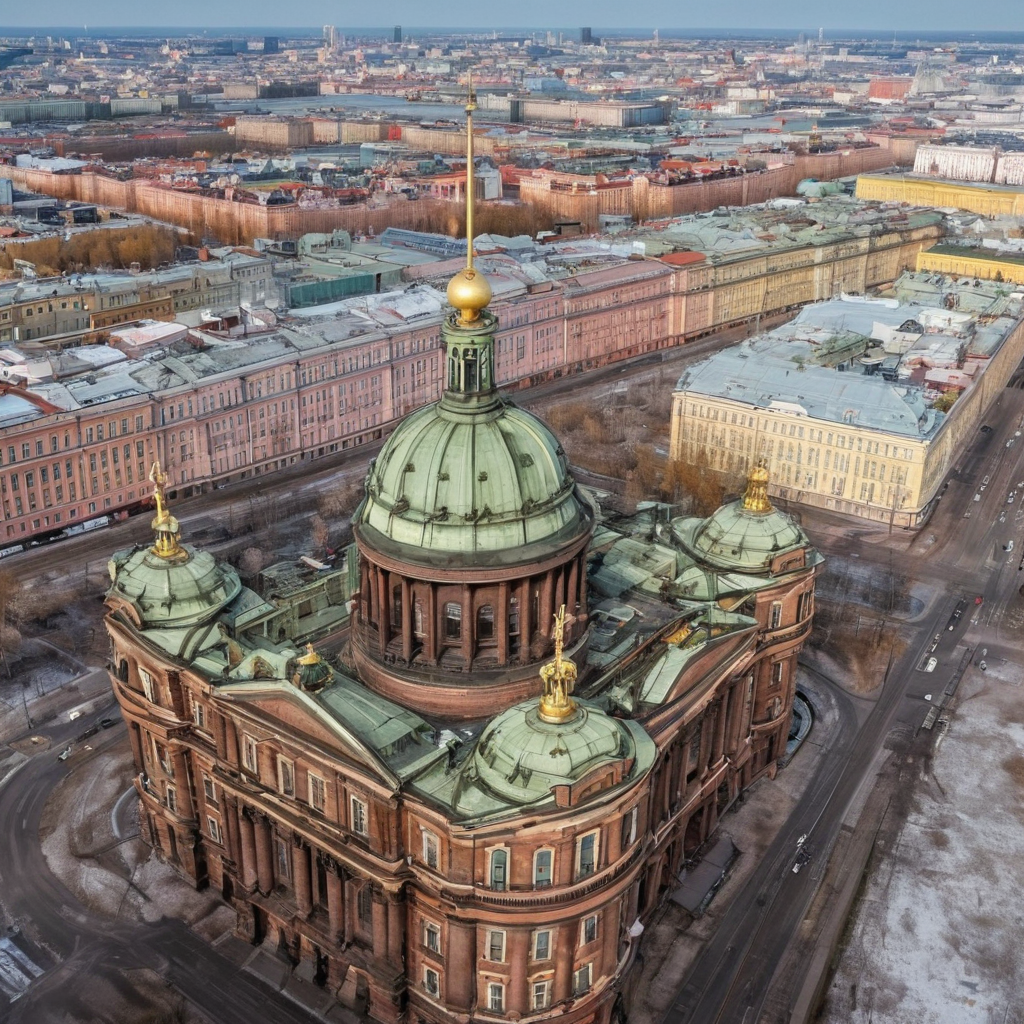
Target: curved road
78,945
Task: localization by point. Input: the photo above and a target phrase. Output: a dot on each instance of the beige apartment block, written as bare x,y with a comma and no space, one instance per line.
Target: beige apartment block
840,403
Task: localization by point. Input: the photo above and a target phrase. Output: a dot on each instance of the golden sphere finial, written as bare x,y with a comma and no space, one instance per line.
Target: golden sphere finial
469,292
756,497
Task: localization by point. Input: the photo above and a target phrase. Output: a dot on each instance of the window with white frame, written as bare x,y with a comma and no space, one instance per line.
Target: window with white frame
498,872
542,944
147,685
199,715
588,929
496,946
285,776
542,868
581,980
249,754
495,997
317,791
429,849
214,828
209,789
172,798
540,995
776,615
586,854
777,670
357,815
432,936
431,982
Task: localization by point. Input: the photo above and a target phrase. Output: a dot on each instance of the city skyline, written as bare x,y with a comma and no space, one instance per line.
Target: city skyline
872,16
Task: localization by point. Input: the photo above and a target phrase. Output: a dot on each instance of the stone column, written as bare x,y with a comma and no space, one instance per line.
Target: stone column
460,990
546,600
383,616
182,783
380,928
264,855
301,878
573,595
335,905
231,742
350,909
719,740
396,929
610,939
407,622
525,626
432,628
501,623
231,827
563,965
220,735
518,956
248,844
468,622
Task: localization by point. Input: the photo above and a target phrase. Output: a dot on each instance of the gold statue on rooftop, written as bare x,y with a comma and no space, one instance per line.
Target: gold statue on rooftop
164,525
559,676
755,499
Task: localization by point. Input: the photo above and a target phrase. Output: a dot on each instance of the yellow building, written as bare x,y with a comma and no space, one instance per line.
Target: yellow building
988,200
839,403
972,261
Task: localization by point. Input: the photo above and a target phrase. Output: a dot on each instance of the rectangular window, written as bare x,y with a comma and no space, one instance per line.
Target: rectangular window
542,868
430,849
317,792
284,864
285,777
431,982
777,673
432,936
172,799
586,855
539,995
199,716
453,621
581,981
358,816
496,946
496,997
249,754
588,929
214,826
147,685
628,836
209,789
776,616
542,945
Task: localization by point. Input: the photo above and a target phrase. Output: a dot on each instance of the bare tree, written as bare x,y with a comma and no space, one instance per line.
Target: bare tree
251,561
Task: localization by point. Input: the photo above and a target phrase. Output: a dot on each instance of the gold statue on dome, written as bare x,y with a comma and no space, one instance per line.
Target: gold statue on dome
164,524
559,677
755,499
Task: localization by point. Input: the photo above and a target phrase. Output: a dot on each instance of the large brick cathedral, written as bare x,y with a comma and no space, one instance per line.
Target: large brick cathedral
475,818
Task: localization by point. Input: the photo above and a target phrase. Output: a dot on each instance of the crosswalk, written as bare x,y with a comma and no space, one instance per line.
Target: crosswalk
17,971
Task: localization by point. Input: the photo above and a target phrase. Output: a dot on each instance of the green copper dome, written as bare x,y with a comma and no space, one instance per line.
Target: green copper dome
185,590
471,474
520,757
747,535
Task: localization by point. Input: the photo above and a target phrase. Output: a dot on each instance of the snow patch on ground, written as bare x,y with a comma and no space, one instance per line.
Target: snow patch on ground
936,937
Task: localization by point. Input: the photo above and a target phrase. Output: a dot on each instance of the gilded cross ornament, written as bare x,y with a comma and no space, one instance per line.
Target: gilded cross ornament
559,677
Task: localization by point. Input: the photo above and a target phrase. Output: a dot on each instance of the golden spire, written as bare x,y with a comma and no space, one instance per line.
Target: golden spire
756,497
469,291
559,676
164,525
310,657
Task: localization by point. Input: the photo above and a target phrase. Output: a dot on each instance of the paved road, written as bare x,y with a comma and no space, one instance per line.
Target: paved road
60,933
729,982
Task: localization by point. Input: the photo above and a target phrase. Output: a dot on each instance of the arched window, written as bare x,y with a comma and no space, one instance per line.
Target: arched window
485,622
453,621
396,606
417,617
499,869
364,905
513,617
542,868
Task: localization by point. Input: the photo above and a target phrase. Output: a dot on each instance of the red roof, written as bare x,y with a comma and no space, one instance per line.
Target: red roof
682,259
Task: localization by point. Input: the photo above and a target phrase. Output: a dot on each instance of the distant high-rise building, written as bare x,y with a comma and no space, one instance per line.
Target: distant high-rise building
586,37
397,38
330,37
271,44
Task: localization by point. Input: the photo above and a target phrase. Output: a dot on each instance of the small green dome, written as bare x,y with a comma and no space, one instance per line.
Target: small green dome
186,590
463,481
520,757
736,538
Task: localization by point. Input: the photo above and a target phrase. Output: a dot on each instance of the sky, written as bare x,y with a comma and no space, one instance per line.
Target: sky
881,15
